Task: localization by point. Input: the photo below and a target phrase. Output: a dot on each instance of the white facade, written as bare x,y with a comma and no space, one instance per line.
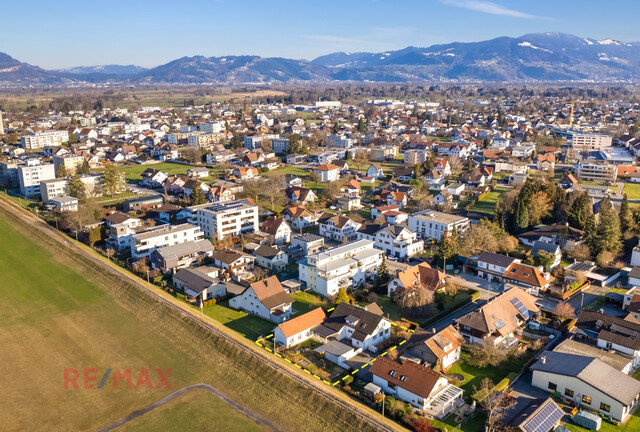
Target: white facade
29,178
328,175
403,245
433,224
280,145
142,244
53,188
232,218
590,141
340,267
339,141
44,139
411,398
248,301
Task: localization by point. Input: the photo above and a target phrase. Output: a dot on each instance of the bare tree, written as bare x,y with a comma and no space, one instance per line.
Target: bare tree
416,301
332,190
496,405
564,311
486,354
252,188
580,252
272,189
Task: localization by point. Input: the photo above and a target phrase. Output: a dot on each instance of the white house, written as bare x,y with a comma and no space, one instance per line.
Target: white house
337,227
433,224
278,229
298,329
265,298
362,328
440,350
493,266
271,258
327,172
375,170
145,242
417,385
398,241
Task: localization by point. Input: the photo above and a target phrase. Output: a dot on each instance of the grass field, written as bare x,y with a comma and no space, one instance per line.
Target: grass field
199,409
488,203
473,375
58,310
132,172
632,190
251,327
304,302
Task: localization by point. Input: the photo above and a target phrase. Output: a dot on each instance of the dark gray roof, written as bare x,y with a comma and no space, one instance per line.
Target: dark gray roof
496,259
195,280
591,371
365,325
540,245
635,272
267,251
370,228
308,237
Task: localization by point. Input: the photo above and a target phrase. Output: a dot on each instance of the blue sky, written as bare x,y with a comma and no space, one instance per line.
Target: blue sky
52,34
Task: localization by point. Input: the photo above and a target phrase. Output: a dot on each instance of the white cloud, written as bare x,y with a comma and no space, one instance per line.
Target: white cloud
489,7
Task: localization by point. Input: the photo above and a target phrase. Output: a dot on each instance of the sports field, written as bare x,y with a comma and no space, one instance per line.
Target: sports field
57,311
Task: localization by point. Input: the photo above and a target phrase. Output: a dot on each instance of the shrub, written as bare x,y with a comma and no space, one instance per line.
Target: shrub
347,381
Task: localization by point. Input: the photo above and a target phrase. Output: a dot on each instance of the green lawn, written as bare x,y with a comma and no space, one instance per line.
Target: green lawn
293,170
248,326
632,190
488,203
132,172
390,308
304,302
632,425
473,424
474,375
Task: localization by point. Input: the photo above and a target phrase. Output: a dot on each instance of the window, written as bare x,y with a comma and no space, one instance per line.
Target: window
552,386
586,399
568,393
604,407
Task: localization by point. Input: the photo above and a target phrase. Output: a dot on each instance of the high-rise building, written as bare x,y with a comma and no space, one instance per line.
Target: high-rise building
1,125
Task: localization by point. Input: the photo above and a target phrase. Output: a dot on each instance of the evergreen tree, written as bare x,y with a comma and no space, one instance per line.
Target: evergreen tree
382,278
590,233
84,169
342,297
197,196
522,216
61,171
448,247
579,211
77,188
625,215
361,126
236,141
347,155
609,236
295,146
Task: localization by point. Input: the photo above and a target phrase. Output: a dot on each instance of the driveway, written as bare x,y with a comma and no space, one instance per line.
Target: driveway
446,321
524,392
487,289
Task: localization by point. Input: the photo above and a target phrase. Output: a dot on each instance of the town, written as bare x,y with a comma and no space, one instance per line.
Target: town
453,264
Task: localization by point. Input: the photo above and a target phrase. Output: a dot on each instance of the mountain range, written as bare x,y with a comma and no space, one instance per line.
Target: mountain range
538,57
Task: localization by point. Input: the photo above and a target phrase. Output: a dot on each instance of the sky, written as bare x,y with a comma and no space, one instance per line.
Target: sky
53,35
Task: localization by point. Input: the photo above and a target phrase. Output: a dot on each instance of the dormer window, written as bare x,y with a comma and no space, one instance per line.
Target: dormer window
392,373
403,378
526,274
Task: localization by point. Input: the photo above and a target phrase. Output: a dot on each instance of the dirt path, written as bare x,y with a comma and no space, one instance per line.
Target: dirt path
258,419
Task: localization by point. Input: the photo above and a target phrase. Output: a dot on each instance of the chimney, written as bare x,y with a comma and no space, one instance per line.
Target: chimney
433,330
543,359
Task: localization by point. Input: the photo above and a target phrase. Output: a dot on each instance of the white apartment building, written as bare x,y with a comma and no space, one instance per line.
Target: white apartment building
145,242
211,127
340,267
432,224
180,138
590,141
53,188
29,178
221,220
339,141
43,139
602,173
398,241
203,140
71,163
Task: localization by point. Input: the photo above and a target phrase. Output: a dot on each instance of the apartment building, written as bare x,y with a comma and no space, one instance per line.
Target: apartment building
339,141
30,176
433,224
280,145
340,267
603,173
203,139
211,127
70,163
43,139
53,188
221,220
589,141
145,242
181,137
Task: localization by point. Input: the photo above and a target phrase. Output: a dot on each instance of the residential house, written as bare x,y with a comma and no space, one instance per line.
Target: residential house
417,385
548,247
539,415
221,194
308,244
363,328
265,298
278,229
546,162
337,227
271,258
245,173
533,279
566,236
153,178
397,198
233,262
199,172
493,266
497,320
299,217
420,275
350,188
617,360
292,181
180,255
397,241
327,172
375,170
439,350
201,283
343,266
299,329
587,381
404,173
299,195
455,188
610,333
145,242
64,203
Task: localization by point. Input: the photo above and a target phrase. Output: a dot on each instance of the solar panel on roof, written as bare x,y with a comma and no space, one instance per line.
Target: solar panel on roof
521,309
545,419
